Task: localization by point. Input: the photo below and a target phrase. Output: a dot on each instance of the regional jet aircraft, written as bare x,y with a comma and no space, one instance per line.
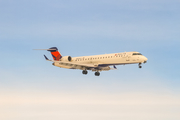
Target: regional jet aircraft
95,63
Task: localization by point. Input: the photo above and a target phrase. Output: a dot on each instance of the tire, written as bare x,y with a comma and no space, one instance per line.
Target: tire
85,72
97,73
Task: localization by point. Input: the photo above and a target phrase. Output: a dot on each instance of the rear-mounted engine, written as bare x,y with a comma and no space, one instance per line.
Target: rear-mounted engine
66,58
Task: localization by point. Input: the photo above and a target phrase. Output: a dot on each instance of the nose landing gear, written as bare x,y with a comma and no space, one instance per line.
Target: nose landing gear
140,65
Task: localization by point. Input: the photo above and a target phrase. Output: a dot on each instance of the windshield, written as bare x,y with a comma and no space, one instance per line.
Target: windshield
137,54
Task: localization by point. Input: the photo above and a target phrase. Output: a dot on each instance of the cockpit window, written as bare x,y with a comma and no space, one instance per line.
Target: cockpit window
137,54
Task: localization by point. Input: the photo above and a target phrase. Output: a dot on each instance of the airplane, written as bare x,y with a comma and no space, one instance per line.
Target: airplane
96,63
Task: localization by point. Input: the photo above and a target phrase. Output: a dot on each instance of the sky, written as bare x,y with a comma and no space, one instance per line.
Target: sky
31,88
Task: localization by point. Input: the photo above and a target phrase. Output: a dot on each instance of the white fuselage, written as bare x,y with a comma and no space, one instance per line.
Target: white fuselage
109,59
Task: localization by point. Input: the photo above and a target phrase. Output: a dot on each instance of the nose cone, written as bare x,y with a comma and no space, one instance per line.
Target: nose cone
145,59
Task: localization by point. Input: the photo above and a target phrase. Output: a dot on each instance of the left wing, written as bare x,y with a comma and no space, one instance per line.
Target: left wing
75,65
71,65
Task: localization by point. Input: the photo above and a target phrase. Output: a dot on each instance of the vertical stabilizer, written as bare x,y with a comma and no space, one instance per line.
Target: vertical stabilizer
55,53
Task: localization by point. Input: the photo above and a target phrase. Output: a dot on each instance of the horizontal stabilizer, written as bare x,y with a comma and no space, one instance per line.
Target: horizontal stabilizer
45,49
46,57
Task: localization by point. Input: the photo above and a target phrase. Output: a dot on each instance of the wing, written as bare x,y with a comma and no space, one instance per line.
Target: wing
81,66
72,65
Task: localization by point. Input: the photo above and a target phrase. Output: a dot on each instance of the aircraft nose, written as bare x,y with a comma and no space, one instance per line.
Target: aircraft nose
145,59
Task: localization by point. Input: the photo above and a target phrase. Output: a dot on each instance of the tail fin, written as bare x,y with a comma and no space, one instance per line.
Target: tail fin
55,53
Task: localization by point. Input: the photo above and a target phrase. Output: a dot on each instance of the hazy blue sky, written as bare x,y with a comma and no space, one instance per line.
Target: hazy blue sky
31,88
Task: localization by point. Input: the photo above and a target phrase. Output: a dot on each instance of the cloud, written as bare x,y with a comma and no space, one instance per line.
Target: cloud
29,104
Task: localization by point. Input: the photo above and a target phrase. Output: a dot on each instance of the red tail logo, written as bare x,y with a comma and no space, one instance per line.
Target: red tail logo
55,53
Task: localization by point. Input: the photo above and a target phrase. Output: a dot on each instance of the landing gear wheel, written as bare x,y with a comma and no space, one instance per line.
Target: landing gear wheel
85,72
97,73
140,65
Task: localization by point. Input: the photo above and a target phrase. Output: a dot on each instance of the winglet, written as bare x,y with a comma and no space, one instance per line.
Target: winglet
46,57
115,67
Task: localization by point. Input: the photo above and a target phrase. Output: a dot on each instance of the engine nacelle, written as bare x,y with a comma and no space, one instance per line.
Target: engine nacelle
66,58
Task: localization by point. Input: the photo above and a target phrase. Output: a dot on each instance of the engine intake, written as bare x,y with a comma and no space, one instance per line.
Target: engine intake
66,58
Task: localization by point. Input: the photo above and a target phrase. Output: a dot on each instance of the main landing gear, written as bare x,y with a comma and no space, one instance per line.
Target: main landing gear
85,72
97,73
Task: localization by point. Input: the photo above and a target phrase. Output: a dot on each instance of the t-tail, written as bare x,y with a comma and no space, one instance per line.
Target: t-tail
55,53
